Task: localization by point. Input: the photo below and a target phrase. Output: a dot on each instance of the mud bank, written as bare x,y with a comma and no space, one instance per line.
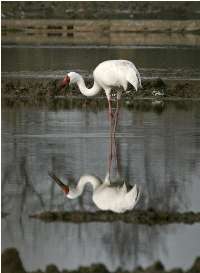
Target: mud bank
146,217
11,262
100,10
49,89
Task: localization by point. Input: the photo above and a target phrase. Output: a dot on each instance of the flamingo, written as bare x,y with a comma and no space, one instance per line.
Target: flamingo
107,75
105,196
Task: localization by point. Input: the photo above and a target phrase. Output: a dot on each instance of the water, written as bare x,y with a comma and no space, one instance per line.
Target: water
53,62
158,150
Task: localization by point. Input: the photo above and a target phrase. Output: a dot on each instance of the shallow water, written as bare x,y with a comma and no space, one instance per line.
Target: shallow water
114,244
176,62
158,151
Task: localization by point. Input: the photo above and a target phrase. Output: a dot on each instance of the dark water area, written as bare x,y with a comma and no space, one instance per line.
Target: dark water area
55,61
158,151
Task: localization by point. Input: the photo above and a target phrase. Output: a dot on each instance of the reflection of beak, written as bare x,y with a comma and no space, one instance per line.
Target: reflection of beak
64,187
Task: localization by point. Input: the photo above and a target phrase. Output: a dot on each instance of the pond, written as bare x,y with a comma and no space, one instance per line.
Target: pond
167,62
157,150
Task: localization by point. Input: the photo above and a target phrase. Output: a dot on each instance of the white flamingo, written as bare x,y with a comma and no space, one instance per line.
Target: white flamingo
107,75
105,196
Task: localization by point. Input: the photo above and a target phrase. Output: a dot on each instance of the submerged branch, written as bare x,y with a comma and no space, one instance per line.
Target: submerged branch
146,217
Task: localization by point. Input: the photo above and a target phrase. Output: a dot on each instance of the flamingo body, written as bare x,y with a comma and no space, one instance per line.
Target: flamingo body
116,73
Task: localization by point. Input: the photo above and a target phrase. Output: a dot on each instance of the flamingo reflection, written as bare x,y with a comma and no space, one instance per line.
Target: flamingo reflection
105,195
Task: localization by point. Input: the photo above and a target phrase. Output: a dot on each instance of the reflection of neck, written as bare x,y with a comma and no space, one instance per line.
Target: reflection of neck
88,91
95,182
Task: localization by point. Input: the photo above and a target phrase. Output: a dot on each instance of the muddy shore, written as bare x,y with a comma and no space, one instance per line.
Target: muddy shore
34,92
100,10
146,217
11,262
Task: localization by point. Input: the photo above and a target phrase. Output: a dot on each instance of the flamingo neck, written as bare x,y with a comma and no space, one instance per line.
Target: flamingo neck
85,179
89,92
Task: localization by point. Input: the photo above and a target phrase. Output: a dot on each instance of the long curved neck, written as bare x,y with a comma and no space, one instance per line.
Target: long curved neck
94,181
89,92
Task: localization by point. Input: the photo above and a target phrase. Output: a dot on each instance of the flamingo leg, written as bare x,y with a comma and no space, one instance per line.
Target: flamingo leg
110,156
113,135
110,110
110,144
116,155
116,117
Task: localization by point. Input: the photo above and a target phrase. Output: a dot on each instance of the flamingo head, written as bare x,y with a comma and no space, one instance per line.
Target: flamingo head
64,188
65,81
71,77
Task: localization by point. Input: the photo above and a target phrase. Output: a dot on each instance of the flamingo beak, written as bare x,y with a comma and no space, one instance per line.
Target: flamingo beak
65,82
64,187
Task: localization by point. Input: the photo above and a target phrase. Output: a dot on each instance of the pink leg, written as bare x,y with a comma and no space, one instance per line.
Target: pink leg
116,117
110,156
110,110
115,154
113,133
110,152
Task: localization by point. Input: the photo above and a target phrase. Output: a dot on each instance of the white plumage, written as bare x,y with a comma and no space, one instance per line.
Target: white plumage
107,75
116,73
105,196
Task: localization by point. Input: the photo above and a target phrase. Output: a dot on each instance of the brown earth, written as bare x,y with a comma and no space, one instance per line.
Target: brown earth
35,89
100,10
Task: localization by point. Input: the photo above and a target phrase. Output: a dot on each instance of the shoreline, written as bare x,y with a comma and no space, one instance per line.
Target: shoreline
19,90
101,10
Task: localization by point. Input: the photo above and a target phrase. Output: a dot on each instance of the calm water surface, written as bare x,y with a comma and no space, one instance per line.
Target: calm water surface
160,152
54,62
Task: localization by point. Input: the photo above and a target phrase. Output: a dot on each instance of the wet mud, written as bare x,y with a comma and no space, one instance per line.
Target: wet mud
36,91
100,10
146,217
11,263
